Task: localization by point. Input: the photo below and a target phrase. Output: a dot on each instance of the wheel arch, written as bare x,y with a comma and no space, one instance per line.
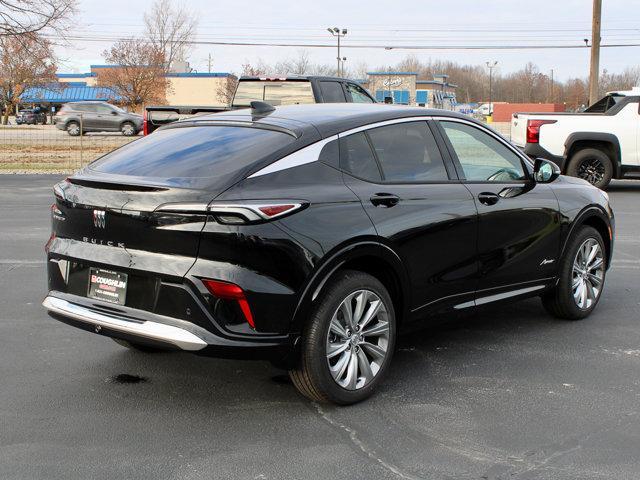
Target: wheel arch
368,256
595,217
606,142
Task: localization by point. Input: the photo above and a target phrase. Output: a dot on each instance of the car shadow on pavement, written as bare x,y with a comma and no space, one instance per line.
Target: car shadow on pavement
197,382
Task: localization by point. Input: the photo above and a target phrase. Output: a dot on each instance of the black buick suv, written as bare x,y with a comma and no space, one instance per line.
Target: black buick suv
311,235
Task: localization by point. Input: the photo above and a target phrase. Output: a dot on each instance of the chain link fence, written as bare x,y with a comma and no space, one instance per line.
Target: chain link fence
46,149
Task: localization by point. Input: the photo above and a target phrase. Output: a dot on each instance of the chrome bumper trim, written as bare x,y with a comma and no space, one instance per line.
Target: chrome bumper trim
152,330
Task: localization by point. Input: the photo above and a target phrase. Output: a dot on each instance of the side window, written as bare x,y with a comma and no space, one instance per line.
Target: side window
103,109
483,158
87,108
408,153
330,154
356,157
332,92
358,95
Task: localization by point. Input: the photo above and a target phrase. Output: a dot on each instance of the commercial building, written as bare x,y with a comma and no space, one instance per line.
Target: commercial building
185,88
404,88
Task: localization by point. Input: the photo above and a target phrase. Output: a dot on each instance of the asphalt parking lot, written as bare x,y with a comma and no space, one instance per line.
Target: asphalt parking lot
504,393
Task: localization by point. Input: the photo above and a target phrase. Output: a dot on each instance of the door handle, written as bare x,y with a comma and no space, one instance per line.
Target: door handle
385,200
488,198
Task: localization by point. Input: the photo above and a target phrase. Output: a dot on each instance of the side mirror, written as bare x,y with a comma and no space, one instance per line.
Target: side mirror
545,171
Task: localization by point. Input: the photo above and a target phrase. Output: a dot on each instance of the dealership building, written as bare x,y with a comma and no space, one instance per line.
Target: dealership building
405,88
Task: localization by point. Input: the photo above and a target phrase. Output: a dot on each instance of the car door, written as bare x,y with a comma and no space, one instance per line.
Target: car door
106,118
518,220
88,114
419,208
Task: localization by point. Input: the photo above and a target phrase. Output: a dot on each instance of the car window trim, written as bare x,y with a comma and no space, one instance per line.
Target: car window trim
310,153
525,161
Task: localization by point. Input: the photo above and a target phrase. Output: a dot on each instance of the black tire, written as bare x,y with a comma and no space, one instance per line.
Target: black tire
139,347
559,301
312,376
128,129
592,165
73,129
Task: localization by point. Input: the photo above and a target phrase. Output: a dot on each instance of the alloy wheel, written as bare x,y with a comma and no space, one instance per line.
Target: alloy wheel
74,129
358,339
587,273
127,129
592,170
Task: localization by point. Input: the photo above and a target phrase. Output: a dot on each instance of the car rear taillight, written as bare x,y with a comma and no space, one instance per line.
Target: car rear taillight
238,213
533,129
145,126
230,291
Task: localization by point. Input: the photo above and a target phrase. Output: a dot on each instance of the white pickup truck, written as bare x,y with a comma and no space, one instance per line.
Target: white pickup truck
597,145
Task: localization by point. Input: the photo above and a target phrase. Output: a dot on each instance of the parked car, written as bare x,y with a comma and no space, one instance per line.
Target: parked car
311,235
81,117
31,116
596,145
276,90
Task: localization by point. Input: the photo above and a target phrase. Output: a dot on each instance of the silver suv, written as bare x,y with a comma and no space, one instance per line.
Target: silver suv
82,117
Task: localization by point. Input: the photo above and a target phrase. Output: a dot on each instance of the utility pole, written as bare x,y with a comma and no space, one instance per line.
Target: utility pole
594,72
551,86
491,66
336,32
209,63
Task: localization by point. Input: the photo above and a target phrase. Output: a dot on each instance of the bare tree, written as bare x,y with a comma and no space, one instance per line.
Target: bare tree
20,17
138,75
249,70
170,30
227,89
25,62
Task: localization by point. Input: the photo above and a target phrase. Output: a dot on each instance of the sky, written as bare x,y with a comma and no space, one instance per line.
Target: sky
425,23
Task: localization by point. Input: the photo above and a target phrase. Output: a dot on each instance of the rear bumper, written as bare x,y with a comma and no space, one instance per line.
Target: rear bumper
153,329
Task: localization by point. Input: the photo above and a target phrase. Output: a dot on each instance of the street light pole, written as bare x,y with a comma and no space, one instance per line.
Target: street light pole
336,32
491,66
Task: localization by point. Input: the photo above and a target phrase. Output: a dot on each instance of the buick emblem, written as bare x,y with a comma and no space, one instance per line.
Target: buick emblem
99,219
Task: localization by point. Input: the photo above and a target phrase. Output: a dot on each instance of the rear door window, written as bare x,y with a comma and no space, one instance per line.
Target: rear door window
186,152
408,153
332,92
356,157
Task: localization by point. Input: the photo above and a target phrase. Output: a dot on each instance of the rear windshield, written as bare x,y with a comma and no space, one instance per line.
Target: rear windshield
273,92
605,104
184,152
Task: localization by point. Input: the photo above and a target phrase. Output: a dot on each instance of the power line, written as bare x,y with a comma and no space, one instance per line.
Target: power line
360,46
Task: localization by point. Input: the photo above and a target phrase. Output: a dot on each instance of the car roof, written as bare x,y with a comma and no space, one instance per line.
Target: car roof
328,118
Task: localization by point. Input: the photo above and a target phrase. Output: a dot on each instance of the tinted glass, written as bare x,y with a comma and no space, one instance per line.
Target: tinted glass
483,158
356,157
193,152
330,154
332,92
273,92
408,153
358,95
